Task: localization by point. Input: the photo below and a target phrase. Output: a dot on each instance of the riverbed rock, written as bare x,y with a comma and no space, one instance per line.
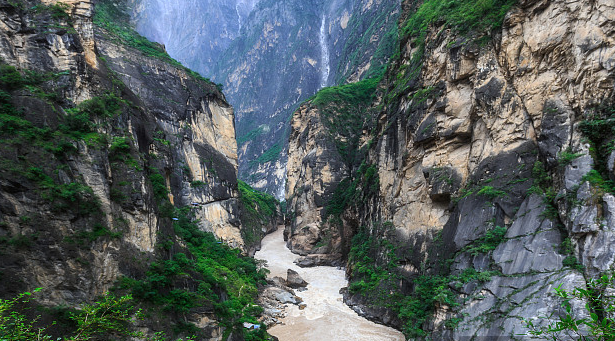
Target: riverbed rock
279,282
294,280
319,260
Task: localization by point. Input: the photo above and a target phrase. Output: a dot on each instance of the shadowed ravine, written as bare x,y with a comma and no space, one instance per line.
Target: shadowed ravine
326,317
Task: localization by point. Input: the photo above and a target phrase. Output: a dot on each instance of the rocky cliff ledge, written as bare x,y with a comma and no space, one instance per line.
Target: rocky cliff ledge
486,173
119,171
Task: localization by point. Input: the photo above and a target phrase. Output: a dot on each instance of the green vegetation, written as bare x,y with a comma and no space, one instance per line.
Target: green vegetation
159,185
210,274
567,156
352,190
462,16
368,275
344,112
597,181
572,262
376,275
361,31
17,130
472,18
57,11
359,94
258,209
488,242
490,192
108,317
252,134
270,155
594,323
88,237
197,184
543,186
110,16
73,195
260,204
599,128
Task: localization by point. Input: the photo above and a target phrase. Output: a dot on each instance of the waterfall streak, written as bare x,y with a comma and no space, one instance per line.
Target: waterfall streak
324,49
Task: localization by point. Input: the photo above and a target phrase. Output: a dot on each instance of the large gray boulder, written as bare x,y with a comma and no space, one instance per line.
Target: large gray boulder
295,281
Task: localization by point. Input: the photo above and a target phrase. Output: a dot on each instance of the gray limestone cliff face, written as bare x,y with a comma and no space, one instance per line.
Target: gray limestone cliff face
77,216
494,116
194,32
315,168
270,56
482,140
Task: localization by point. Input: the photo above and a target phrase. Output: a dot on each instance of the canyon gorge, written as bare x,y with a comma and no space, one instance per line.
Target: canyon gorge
433,170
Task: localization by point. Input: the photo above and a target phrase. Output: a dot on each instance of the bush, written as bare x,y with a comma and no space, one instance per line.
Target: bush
490,192
10,78
159,185
599,307
210,271
488,242
109,316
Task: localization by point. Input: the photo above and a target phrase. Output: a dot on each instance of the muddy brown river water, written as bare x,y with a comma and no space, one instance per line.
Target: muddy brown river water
326,317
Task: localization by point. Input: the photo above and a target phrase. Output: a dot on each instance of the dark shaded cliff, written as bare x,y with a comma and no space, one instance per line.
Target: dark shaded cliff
485,179
118,172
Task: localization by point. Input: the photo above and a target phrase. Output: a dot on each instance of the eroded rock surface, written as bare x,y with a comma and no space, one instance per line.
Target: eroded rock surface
91,208
484,139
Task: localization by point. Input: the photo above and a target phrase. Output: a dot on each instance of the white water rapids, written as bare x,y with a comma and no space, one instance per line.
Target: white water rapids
324,50
326,317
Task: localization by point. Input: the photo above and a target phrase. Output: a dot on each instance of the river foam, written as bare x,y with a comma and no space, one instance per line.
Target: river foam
326,317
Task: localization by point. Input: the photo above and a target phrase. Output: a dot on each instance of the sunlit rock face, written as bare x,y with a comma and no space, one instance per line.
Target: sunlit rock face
270,55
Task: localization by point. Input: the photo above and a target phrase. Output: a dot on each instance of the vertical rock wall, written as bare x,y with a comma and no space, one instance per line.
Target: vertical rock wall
493,114
79,211
488,137
269,57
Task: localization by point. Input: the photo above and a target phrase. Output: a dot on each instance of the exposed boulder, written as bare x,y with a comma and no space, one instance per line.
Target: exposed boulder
294,280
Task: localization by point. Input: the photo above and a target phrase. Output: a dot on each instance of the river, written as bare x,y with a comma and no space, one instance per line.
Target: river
326,317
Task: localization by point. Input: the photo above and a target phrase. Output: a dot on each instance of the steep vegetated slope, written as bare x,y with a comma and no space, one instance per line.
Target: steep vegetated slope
484,176
287,51
118,172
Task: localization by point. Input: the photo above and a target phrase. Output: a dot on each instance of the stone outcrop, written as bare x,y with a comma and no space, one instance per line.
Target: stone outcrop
85,203
270,56
483,138
315,168
295,281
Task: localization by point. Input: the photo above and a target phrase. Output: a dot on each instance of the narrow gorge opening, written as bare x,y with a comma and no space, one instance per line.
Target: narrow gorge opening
408,170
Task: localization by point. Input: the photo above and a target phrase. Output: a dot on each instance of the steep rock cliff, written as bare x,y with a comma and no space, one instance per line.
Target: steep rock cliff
288,52
116,162
491,168
196,33
269,56
323,157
